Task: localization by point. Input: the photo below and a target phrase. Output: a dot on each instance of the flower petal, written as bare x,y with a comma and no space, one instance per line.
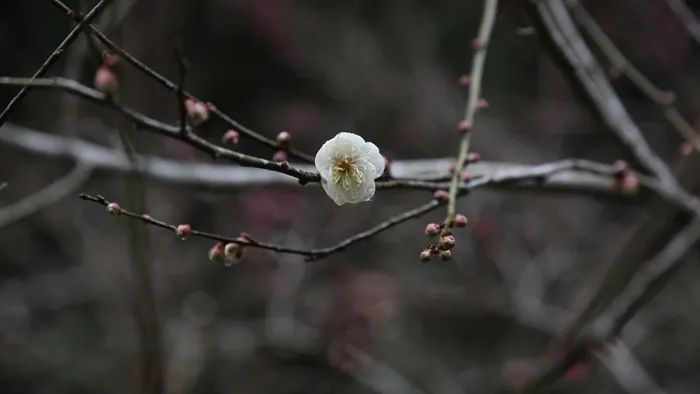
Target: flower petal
370,152
324,159
364,191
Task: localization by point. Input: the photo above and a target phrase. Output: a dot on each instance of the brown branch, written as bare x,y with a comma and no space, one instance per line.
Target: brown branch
663,99
558,27
311,254
148,123
173,87
53,57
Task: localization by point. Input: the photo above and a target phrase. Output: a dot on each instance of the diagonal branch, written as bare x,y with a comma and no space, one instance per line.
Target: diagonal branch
687,18
53,57
657,96
173,87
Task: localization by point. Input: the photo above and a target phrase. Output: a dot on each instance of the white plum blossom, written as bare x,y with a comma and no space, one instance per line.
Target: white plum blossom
348,166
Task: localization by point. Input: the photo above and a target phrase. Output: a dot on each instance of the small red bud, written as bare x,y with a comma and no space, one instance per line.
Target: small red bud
447,242
685,148
434,250
473,157
621,168
231,136
425,255
106,80
114,208
441,195
197,111
280,156
629,183
464,127
110,58
465,176
460,220
464,80
477,44
445,255
216,253
283,139
432,229
481,103
183,230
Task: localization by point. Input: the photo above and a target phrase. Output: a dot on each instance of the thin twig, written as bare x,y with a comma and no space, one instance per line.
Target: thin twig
659,97
477,69
45,197
311,254
53,57
294,153
165,129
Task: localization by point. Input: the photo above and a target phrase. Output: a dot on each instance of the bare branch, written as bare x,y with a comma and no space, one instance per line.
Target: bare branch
53,57
173,87
45,197
479,45
661,98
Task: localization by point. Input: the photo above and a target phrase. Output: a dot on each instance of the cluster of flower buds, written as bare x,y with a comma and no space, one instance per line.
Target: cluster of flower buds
229,253
445,242
626,180
197,111
284,141
106,80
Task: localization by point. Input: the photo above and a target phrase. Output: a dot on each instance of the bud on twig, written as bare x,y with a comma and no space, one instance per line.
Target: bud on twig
425,255
441,195
114,209
284,139
197,111
432,229
473,157
183,230
445,255
231,136
464,127
106,80
216,253
460,220
447,242
280,155
481,103
464,80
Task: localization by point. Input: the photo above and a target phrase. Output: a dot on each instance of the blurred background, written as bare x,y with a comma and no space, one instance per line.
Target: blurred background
90,303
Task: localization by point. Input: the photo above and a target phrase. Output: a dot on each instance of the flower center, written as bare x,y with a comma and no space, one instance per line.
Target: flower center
345,172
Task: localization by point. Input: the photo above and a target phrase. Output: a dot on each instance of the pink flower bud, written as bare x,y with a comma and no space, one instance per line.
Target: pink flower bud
477,44
280,155
432,229
183,230
106,80
621,168
425,255
445,255
234,252
629,183
283,139
473,157
110,59
231,136
464,80
434,250
114,209
441,195
481,103
685,148
464,127
216,253
447,242
460,220
465,176
197,111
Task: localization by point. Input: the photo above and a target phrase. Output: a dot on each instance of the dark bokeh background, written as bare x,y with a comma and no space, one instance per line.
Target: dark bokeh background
388,70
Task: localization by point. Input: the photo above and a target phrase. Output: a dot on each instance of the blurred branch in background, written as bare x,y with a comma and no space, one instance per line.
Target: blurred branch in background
687,18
